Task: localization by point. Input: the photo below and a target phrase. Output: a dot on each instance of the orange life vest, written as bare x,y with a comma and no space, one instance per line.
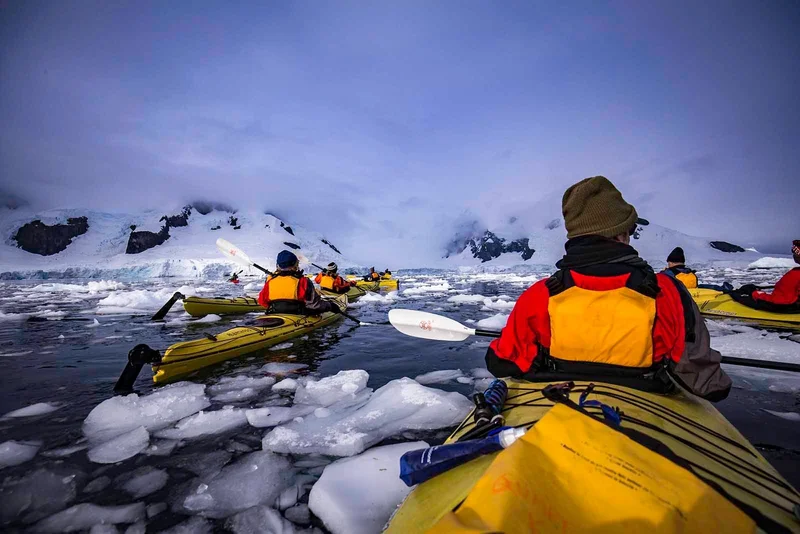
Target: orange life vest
283,287
602,320
327,281
375,276
688,279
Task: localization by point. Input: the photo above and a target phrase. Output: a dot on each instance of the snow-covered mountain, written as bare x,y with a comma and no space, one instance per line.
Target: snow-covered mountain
179,241
538,237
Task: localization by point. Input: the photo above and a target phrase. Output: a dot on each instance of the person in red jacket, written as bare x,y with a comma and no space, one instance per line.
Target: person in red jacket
595,318
330,280
288,291
787,290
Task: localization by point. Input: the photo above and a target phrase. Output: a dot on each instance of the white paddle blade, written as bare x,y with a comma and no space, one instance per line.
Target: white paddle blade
428,325
233,252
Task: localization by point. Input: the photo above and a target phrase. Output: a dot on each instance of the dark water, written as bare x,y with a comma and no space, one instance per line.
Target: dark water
75,363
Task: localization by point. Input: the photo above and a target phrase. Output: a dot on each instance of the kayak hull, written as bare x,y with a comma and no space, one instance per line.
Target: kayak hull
200,306
391,283
187,357
690,427
717,304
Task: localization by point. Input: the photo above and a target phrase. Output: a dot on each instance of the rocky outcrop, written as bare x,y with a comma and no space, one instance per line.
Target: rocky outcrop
144,240
552,225
336,250
724,246
175,221
489,246
234,221
287,228
640,224
291,245
39,238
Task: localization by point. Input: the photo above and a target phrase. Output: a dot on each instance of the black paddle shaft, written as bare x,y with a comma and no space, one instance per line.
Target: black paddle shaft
160,314
137,358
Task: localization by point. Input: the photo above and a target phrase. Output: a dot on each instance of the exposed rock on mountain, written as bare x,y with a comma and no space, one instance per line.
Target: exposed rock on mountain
725,246
39,238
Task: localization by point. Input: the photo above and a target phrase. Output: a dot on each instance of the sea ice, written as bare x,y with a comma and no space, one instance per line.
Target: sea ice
399,406
205,423
287,384
439,377
17,452
40,408
210,318
38,494
233,383
358,495
143,481
256,478
768,262
275,415
495,322
121,447
331,389
193,525
84,516
466,299
257,520
154,411
282,346
278,368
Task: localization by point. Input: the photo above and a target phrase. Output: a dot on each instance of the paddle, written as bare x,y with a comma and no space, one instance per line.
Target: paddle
431,326
160,314
236,254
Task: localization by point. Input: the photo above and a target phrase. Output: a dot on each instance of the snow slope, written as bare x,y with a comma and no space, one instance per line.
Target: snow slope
189,252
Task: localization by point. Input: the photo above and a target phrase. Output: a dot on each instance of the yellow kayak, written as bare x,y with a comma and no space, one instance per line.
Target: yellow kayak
718,304
200,306
388,283
187,357
672,464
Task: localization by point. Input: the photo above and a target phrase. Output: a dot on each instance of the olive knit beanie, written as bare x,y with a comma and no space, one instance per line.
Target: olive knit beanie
595,207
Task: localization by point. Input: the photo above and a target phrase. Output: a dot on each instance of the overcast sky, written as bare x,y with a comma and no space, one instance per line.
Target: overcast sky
356,116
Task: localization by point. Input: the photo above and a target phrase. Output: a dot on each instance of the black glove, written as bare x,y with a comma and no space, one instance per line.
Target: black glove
747,289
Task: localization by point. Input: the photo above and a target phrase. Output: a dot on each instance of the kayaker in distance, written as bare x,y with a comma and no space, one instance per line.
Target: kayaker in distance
289,291
386,274
329,279
595,318
372,276
677,269
785,296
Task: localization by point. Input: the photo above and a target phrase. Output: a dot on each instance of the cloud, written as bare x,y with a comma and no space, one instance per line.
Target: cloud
393,119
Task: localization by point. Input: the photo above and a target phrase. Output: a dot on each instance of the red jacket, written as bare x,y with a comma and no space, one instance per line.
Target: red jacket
528,327
787,290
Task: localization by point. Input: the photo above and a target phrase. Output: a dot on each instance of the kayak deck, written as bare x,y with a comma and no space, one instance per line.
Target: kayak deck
718,304
187,357
201,306
690,427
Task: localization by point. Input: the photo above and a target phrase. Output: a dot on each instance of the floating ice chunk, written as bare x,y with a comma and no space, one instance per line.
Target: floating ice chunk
102,528
85,516
278,368
98,484
194,525
143,481
299,514
162,447
275,415
210,318
439,377
282,346
464,380
202,464
140,527
93,324
61,452
205,423
789,416
432,288
232,383
236,395
38,494
399,406
139,301
358,495
495,322
498,304
768,262
121,447
256,478
259,519
17,452
157,410
155,509
466,299
481,372
287,384
40,408
331,389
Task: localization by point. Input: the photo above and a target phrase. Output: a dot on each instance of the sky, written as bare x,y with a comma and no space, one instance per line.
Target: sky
397,119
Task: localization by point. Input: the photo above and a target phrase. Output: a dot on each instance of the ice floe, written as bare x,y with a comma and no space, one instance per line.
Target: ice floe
344,385
281,369
84,516
143,481
121,447
439,377
38,494
40,408
256,478
399,406
287,384
17,452
205,423
768,262
495,322
362,503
